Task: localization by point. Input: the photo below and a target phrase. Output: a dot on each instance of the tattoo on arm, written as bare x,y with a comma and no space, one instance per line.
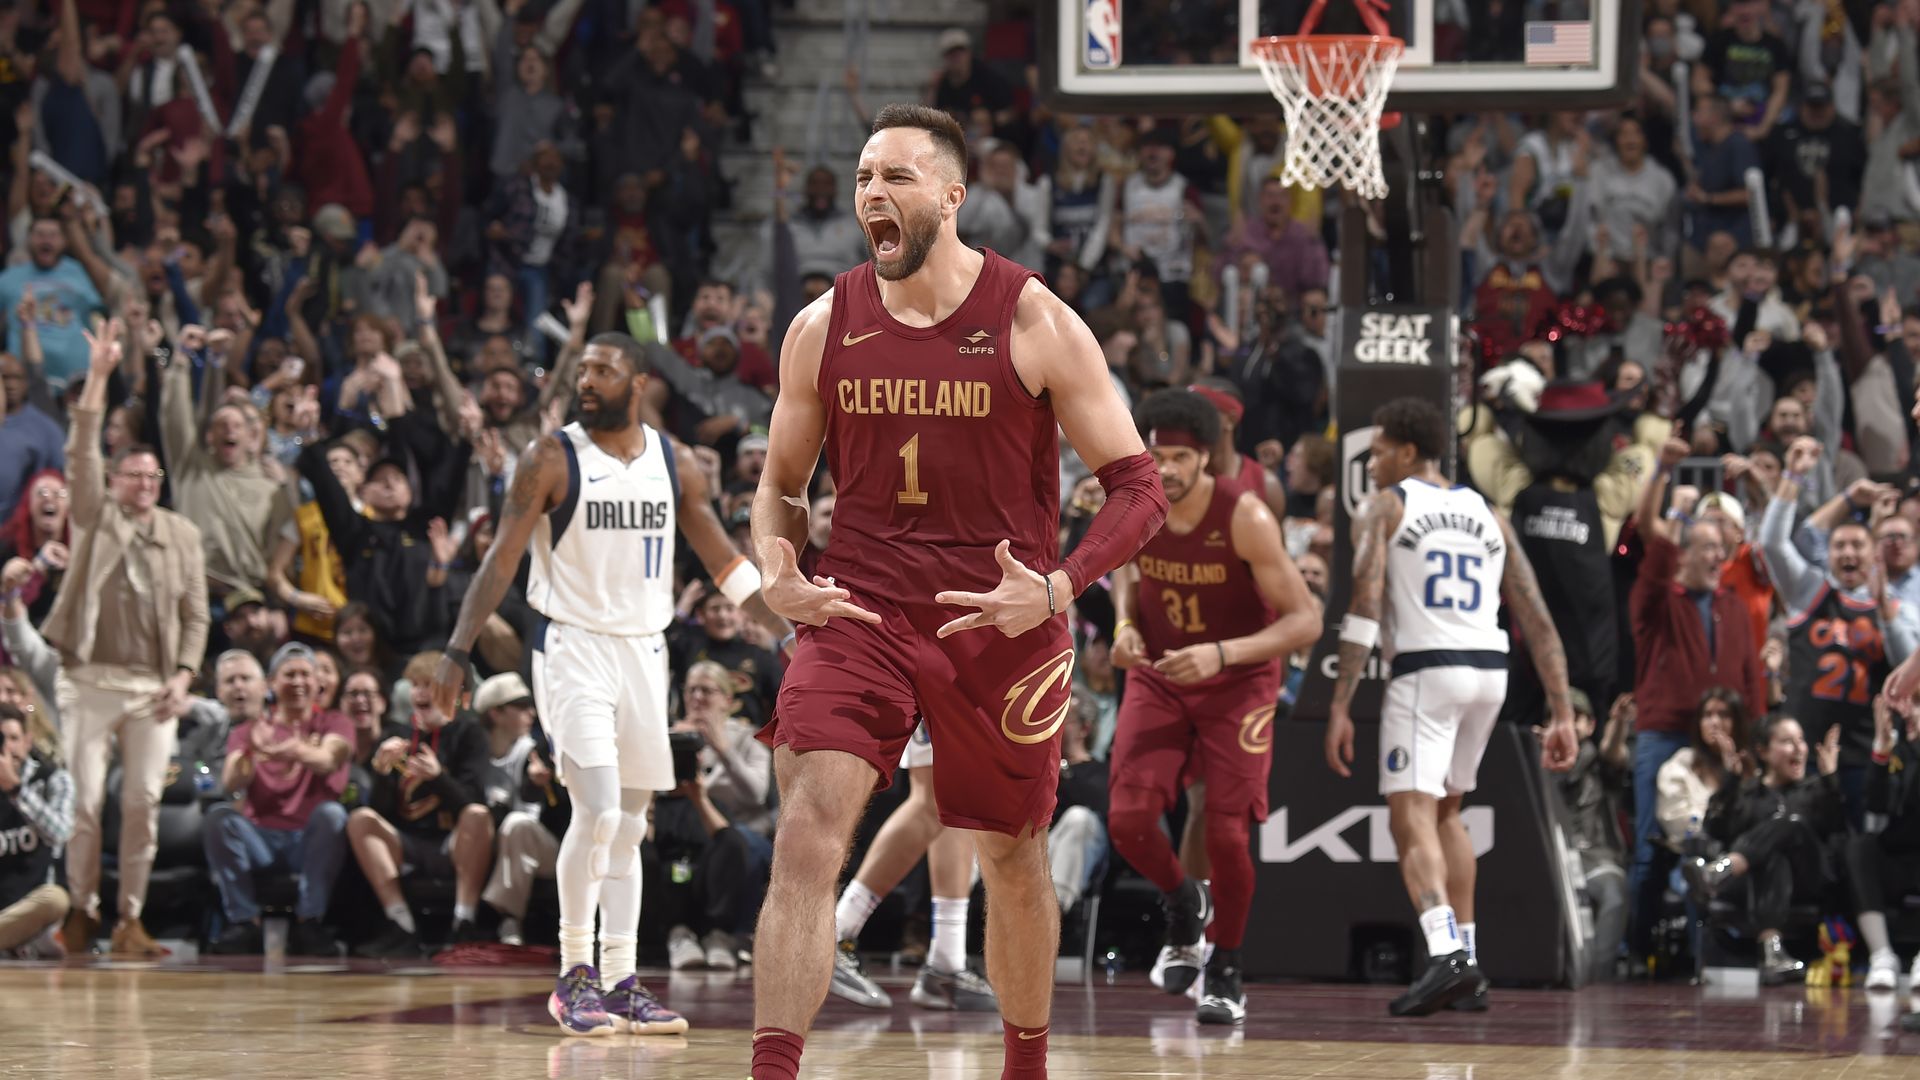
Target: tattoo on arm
1529,609
1369,586
525,502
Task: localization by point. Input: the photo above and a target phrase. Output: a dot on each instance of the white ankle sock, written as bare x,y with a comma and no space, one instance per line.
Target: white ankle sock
616,958
949,949
851,913
462,913
401,915
1467,941
576,946
1443,934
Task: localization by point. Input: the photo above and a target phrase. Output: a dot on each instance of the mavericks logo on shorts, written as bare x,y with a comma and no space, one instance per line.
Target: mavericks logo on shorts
1397,759
1032,689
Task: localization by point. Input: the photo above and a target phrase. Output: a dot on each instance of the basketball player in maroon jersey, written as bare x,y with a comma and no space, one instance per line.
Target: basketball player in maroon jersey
938,377
1198,631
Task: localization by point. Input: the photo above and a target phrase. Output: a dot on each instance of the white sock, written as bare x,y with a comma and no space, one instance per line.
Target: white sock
1467,936
851,913
1443,934
401,915
616,958
576,946
949,950
1873,931
462,913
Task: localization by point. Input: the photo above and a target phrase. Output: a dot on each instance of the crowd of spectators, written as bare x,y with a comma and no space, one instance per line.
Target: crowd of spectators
291,284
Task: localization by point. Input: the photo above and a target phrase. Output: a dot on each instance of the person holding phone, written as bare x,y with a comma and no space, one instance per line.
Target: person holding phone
713,831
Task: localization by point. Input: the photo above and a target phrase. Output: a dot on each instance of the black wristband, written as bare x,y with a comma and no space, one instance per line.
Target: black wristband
461,657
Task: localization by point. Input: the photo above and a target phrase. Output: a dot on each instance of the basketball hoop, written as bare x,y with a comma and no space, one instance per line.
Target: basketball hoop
1332,89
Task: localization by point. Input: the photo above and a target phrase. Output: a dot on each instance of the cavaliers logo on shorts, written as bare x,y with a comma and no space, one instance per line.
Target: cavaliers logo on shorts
1026,696
1256,730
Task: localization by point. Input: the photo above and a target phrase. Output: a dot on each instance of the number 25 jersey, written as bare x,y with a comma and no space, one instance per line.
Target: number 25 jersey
1444,568
938,452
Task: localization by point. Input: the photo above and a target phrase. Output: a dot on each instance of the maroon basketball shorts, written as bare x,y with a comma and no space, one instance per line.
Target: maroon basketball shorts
993,706
1220,732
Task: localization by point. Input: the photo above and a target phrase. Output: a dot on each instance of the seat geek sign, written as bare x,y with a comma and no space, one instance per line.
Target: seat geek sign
1390,337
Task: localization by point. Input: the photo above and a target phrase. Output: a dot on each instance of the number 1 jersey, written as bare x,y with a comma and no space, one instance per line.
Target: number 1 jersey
1444,567
938,452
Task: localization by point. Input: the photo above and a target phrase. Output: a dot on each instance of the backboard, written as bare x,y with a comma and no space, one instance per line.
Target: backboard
1156,56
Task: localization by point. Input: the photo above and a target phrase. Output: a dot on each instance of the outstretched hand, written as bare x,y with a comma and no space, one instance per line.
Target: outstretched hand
1015,606
791,596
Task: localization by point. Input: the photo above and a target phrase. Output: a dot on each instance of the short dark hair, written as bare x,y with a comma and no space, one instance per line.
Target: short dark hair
713,283
1628,288
1416,422
134,450
948,136
635,352
13,713
1179,409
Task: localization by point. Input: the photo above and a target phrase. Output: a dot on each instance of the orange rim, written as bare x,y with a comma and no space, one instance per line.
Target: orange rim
1289,49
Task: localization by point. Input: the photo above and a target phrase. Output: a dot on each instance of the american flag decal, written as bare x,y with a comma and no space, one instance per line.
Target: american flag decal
1559,43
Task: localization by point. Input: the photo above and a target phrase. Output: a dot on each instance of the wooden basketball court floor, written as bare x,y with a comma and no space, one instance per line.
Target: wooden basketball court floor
363,1022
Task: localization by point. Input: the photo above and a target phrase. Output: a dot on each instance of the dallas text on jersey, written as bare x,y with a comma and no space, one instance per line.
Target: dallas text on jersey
612,514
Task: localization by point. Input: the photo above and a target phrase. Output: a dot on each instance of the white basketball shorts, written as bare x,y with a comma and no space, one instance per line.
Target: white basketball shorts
603,702
1434,727
919,751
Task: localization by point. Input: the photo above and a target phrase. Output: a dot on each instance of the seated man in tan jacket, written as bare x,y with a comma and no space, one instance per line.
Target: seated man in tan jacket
131,626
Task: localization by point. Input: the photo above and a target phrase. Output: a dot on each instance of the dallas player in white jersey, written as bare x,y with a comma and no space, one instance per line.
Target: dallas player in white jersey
1435,556
600,501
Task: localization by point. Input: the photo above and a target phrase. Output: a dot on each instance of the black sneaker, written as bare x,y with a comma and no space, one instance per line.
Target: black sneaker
466,932
239,939
1447,979
1476,1001
309,937
1224,1000
393,943
1189,913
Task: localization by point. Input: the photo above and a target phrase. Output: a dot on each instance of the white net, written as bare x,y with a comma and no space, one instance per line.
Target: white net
1331,90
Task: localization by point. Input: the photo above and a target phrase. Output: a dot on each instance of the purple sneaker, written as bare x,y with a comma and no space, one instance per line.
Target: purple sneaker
637,1012
576,1005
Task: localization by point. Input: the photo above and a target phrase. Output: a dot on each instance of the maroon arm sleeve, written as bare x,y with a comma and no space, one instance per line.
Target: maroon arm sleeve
1135,508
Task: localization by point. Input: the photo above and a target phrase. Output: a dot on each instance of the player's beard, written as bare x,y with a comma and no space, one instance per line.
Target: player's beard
918,231
607,414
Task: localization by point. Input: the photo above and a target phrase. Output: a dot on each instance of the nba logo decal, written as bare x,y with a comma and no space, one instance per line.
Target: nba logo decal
1103,34
1397,759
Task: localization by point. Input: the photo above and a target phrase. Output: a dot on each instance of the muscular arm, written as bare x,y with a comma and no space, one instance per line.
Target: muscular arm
702,528
1054,349
794,435
1521,591
1378,521
1257,540
538,484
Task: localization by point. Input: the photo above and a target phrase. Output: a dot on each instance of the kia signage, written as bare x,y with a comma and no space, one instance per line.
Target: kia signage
1327,880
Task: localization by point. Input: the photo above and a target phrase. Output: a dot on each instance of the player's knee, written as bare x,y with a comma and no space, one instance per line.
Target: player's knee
1132,813
624,851
1229,832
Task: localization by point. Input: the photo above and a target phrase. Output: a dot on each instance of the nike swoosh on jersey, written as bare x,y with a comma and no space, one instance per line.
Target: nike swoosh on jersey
597,479
847,340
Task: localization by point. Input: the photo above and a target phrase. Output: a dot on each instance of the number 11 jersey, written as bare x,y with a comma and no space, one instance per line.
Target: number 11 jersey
938,452
1444,567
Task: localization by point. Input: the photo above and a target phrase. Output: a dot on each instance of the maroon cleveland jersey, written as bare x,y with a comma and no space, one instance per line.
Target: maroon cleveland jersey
938,451
1195,590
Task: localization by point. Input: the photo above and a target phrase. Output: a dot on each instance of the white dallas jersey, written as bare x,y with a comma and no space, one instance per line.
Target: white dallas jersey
603,558
1444,567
